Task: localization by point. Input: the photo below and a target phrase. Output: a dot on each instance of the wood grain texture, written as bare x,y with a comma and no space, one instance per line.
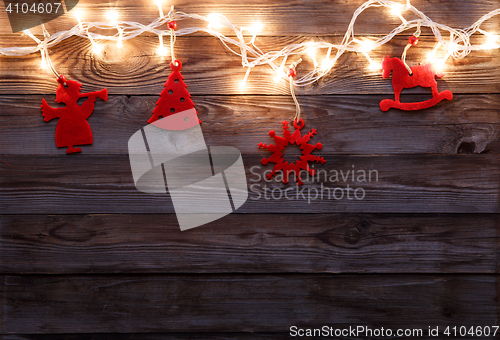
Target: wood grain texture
282,17
406,184
243,303
176,336
157,336
143,336
84,255
210,69
346,124
2,304
163,336
186,336
273,243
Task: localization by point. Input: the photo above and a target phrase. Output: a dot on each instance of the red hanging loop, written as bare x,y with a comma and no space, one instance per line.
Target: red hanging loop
176,66
300,125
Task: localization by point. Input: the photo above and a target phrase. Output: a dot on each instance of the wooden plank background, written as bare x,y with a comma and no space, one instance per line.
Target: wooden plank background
84,255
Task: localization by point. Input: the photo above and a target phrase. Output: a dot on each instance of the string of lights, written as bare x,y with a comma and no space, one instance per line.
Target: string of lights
455,42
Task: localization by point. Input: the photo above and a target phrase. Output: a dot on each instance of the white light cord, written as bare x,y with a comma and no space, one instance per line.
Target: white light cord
45,52
458,46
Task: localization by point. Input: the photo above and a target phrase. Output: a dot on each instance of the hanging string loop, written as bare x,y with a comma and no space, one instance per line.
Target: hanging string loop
172,25
292,73
412,41
45,52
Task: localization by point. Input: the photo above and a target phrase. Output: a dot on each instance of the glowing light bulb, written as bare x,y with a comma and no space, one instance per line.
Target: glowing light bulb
214,21
374,66
491,41
438,65
244,81
43,63
78,14
367,45
97,49
327,64
311,50
397,9
162,51
113,16
430,56
256,28
279,76
159,3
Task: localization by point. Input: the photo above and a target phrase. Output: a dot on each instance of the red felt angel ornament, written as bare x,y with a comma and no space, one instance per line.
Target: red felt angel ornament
72,127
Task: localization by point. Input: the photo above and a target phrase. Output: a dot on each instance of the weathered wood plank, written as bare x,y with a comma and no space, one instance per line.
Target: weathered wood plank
2,304
282,17
191,336
144,336
270,243
244,303
399,184
346,124
164,336
177,336
74,244
209,68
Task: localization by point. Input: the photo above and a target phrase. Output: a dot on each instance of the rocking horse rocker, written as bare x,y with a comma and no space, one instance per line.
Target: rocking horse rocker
421,75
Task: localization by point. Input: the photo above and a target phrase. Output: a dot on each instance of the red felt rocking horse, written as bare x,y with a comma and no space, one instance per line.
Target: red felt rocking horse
421,75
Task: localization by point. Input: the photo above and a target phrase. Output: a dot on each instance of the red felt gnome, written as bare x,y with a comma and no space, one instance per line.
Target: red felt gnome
174,98
72,127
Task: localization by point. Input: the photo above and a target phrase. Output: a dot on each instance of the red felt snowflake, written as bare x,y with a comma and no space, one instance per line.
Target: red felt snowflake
282,142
